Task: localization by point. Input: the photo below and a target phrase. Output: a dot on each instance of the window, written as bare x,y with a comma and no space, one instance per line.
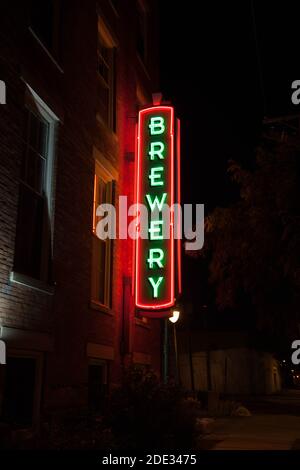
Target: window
33,234
141,40
107,78
19,391
102,249
45,22
97,385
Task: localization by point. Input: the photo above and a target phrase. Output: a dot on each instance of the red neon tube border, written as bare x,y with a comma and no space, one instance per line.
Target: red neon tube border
171,301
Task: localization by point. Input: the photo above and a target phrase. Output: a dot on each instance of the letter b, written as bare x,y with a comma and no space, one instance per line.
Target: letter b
157,125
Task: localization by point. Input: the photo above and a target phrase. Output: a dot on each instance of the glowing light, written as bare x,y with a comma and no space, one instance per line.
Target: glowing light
156,150
152,260
175,316
155,230
156,202
155,285
157,125
155,174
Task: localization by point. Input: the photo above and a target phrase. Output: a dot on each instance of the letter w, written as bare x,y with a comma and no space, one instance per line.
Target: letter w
156,201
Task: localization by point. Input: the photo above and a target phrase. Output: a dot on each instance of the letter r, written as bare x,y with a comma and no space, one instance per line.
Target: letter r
156,150
156,255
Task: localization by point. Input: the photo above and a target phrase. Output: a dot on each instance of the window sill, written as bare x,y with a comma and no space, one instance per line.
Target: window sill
27,281
46,50
101,308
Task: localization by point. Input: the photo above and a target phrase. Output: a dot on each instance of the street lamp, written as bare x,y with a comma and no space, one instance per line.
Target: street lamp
174,319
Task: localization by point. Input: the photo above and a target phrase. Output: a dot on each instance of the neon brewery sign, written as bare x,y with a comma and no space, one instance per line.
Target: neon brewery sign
156,255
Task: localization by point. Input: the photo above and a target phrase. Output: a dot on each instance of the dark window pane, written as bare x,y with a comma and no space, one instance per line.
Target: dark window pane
104,59
30,173
43,138
19,391
29,233
96,387
33,130
33,165
107,84
104,102
104,71
101,273
115,4
35,171
102,192
39,174
141,35
42,20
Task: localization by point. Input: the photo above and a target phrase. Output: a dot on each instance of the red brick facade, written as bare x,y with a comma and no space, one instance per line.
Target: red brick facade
57,324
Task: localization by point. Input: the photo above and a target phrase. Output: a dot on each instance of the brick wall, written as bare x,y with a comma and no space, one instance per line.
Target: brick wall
70,89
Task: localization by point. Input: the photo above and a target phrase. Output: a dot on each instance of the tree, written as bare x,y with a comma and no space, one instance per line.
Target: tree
253,246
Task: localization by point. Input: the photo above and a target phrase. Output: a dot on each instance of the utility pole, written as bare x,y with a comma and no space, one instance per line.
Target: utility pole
174,319
165,351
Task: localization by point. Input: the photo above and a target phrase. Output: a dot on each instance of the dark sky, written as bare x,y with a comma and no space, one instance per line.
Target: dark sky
225,65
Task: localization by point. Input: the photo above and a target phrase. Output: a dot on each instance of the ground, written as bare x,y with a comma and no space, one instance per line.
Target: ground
274,425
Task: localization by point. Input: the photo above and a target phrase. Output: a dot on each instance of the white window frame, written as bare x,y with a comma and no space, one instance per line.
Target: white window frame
33,100
107,177
52,120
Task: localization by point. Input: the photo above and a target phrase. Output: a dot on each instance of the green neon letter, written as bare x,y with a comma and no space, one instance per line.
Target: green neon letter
155,174
156,150
155,230
157,125
155,285
156,255
156,202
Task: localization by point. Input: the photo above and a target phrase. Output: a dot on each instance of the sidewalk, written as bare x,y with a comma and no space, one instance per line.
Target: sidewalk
275,425
263,432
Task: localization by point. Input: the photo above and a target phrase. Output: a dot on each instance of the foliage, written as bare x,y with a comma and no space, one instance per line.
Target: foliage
253,246
77,431
145,414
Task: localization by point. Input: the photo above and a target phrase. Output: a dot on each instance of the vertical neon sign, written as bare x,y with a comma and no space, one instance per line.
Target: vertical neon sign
154,267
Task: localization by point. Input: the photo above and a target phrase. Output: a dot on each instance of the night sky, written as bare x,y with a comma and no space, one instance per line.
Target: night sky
225,65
